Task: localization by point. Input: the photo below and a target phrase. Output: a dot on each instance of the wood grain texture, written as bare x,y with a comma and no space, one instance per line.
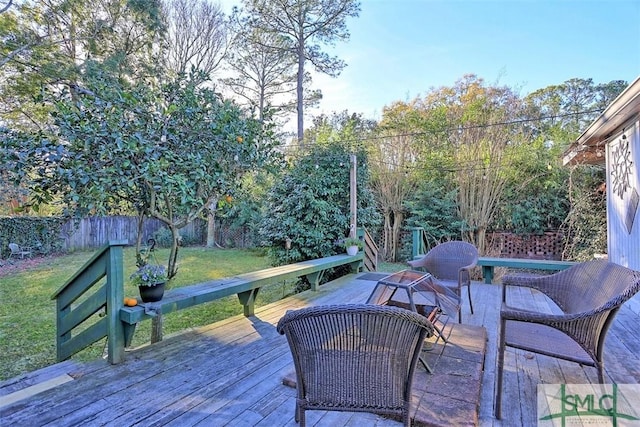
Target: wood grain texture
230,373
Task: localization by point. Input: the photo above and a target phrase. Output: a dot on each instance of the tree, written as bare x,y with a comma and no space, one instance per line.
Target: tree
535,196
393,176
197,41
585,226
471,131
307,24
263,68
197,36
433,207
487,134
607,92
167,151
578,98
567,199
52,44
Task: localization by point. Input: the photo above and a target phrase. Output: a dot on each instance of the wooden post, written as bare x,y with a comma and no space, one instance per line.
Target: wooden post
417,247
352,197
115,295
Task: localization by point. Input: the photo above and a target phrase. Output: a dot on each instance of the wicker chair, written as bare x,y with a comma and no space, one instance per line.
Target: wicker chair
354,357
588,296
450,263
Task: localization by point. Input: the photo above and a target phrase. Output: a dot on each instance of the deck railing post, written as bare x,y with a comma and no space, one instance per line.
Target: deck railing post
417,247
115,301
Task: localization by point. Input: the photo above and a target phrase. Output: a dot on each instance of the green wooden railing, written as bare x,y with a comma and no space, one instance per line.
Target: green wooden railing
419,242
90,305
488,264
87,305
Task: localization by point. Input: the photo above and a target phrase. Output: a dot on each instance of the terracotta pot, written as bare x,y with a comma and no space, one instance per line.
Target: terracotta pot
151,293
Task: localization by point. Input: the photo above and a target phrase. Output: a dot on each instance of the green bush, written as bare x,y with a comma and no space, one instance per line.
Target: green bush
163,237
310,206
434,209
42,234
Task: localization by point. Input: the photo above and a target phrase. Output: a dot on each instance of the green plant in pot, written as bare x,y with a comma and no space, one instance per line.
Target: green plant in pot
150,279
352,245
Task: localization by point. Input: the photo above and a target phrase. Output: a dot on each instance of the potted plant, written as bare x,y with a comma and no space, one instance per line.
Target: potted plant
352,245
150,279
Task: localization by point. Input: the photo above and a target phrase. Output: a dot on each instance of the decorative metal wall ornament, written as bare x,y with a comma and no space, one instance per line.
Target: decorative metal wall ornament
621,167
631,209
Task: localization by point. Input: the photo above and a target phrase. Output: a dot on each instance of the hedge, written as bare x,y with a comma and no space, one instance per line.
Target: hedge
41,234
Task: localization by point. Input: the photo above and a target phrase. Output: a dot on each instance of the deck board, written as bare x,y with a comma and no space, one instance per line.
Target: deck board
230,372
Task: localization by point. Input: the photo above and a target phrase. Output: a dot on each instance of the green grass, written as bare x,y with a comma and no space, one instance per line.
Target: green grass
27,312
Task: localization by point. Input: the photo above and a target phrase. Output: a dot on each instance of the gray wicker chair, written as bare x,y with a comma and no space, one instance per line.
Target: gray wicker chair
588,296
450,263
354,357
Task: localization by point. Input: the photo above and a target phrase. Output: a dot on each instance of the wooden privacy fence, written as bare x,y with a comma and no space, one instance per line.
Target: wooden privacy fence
93,232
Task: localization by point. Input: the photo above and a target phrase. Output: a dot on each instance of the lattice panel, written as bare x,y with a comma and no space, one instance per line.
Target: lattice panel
546,246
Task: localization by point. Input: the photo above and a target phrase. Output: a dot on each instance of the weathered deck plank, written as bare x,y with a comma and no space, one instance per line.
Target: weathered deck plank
230,373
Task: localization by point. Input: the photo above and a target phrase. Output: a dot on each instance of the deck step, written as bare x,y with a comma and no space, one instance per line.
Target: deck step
35,382
34,389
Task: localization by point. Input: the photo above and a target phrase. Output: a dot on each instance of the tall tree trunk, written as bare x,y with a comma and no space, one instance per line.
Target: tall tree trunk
139,260
172,268
398,217
387,245
300,91
480,239
211,224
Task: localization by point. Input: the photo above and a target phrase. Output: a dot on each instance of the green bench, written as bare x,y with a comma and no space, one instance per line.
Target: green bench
246,286
489,263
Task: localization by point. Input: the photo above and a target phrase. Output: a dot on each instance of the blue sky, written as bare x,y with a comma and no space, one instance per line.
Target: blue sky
401,48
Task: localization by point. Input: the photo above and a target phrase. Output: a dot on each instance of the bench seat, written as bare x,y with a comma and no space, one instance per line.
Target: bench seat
489,263
246,286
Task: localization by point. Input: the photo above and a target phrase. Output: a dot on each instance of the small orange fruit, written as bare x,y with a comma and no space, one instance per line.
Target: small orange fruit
229,198
239,139
130,302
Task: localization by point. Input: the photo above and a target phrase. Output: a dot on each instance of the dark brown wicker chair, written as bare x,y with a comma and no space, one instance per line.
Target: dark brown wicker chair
588,296
354,357
451,263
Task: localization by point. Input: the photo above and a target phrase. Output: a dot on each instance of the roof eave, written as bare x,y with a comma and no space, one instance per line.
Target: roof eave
625,108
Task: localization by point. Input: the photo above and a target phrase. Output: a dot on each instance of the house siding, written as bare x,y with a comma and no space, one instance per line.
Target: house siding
623,197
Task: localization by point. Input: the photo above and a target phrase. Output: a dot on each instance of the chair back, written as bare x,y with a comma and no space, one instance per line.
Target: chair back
15,249
445,260
355,357
597,285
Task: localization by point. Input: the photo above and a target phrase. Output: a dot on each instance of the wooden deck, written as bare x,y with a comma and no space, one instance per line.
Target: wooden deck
230,373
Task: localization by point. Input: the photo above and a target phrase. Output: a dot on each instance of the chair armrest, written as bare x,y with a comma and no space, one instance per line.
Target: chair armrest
524,315
579,326
522,279
464,276
525,280
416,263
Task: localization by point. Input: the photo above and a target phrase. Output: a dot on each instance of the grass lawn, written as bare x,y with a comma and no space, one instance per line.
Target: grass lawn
27,312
